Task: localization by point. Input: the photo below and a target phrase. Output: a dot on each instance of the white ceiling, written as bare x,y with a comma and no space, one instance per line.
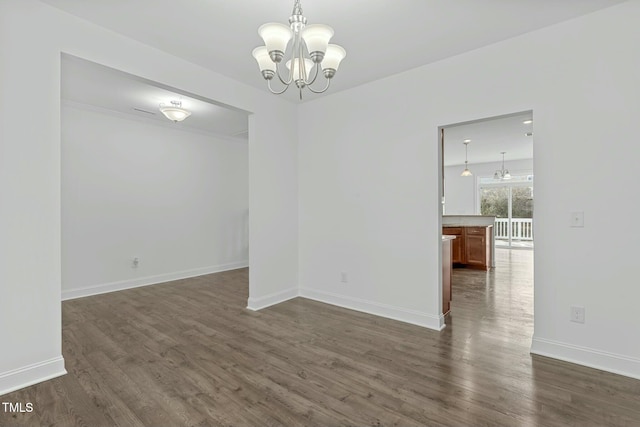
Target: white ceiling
200,31
488,139
382,37
92,84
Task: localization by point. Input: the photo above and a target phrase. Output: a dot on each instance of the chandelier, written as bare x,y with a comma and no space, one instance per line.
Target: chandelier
311,39
502,173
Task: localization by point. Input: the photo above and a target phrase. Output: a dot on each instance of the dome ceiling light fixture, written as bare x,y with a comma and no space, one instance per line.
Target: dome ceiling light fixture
311,39
175,112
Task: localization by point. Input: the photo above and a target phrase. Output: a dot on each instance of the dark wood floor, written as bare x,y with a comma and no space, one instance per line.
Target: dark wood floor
188,353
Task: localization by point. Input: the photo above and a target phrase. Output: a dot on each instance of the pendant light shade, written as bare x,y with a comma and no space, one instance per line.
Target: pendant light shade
276,37
261,54
296,72
332,58
317,37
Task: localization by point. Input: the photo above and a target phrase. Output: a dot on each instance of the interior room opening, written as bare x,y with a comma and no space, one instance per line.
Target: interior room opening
154,182
487,197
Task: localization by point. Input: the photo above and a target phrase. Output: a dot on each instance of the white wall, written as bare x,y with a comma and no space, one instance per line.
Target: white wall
369,203
176,199
32,38
461,192
366,196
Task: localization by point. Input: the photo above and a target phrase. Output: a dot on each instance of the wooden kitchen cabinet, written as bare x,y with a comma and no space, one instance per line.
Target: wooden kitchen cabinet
477,247
457,251
472,246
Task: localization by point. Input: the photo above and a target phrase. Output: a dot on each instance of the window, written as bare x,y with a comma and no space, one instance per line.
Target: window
511,202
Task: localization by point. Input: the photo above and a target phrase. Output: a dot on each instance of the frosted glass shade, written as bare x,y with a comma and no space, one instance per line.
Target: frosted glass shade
316,37
276,36
333,56
261,54
175,114
502,174
466,172
295,73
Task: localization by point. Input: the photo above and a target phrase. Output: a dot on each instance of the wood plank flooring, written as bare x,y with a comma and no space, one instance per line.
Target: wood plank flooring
187,353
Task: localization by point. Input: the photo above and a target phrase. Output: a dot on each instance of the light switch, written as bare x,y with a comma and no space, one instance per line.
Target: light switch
577,219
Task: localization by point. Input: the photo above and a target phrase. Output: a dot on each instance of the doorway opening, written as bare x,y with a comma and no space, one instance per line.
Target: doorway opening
487,188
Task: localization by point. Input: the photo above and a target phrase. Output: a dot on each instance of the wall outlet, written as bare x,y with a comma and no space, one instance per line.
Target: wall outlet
577,219
577,314
135,262
344,277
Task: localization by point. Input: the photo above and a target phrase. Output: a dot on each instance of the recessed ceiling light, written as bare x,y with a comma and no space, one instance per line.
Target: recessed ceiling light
528,134
528,122
467,140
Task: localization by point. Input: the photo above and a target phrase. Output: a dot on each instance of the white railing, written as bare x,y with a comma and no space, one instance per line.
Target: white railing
521,228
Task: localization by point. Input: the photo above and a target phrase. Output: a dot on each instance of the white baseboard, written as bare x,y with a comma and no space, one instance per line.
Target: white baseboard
256,304
610,362
148,280
396,313
32,374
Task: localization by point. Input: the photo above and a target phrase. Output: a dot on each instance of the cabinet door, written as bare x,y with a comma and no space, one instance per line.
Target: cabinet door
476,246
457,243
446,275
457,254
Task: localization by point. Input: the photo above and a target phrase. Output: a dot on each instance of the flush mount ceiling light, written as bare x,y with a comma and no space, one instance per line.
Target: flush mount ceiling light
311,39
175,112
502,173
527,122
466,171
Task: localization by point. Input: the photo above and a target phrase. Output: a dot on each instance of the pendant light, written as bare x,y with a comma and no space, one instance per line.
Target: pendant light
466,171
502,173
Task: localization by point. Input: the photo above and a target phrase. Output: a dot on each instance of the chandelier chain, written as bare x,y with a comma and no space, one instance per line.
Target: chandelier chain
297,8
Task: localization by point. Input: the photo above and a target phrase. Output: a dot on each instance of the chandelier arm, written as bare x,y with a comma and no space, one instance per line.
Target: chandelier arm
275,92
323,90
315,75
302,62
298,54
280,77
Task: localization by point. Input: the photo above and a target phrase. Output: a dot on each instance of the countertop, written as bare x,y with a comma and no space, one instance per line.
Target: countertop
467,220
467,225
468,216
